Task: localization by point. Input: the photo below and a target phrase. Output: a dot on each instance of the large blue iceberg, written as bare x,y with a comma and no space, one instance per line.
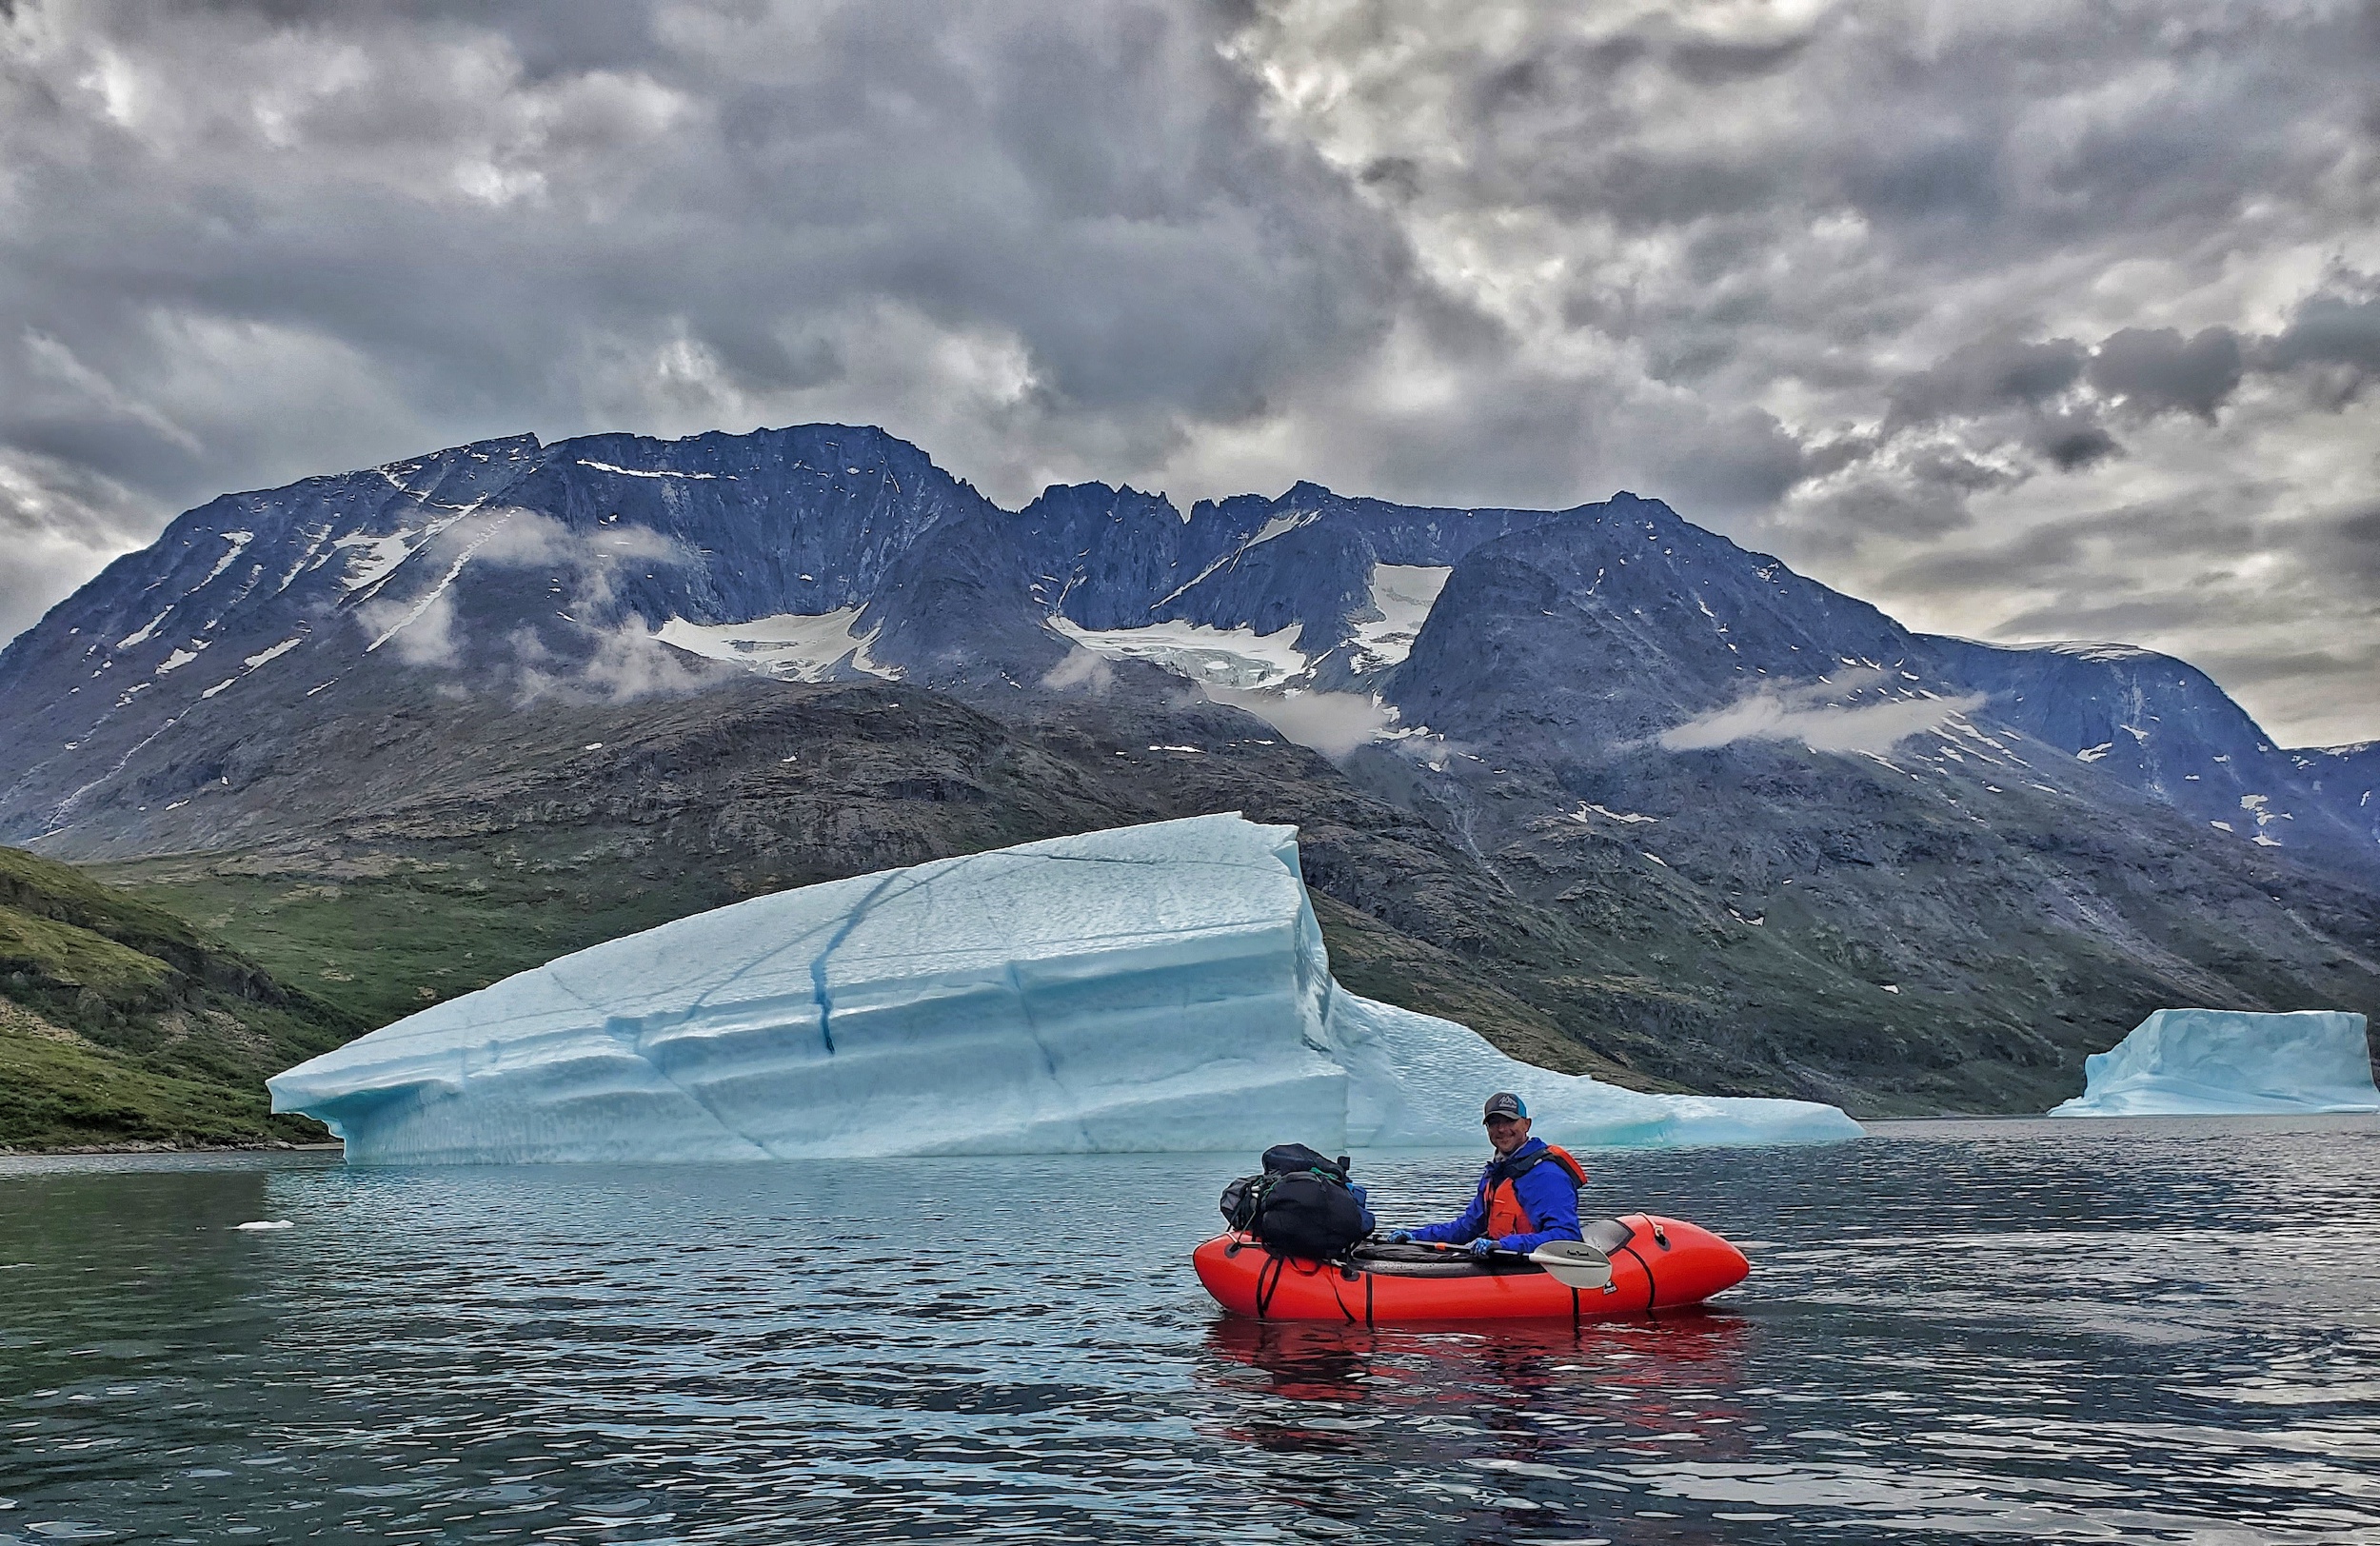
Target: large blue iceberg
2192,1062
1152,989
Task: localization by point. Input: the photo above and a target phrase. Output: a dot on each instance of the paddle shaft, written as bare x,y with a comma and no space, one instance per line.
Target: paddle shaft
1571,1263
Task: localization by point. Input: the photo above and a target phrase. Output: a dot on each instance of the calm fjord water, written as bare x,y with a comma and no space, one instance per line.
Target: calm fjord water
2120,1331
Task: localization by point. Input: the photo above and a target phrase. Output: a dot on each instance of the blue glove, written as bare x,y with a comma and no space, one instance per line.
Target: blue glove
1399,1236
1481,1246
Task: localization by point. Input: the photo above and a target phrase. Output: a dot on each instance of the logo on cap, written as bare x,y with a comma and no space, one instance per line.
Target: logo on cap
1505,1104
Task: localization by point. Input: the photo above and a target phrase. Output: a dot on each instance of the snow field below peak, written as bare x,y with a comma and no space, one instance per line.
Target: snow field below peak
1241,658
1403,595
791,646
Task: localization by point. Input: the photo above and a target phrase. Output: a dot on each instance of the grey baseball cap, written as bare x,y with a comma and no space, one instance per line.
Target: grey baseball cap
1505,1104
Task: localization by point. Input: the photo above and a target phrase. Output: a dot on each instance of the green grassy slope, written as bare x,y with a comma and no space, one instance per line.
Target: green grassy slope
120,1023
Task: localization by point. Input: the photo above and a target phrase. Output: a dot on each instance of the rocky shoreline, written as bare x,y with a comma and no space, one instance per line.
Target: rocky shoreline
137,1146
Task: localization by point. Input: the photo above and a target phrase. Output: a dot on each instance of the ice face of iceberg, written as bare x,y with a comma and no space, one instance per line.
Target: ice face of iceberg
2215,1062
1159,987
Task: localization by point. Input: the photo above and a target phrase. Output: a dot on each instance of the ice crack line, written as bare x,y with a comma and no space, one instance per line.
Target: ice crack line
1049,1059
818,989
627,1032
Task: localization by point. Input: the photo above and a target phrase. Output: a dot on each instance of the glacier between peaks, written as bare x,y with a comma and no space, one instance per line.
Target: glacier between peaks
2204,1062
1151,988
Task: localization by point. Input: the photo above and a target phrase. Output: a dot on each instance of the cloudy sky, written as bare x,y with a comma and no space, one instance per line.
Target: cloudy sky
2023,319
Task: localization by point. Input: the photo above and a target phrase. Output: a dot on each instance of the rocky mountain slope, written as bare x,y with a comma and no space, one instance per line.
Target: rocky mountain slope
1628,797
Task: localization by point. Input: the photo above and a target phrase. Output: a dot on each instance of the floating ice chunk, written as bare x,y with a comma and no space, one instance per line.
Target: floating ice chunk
2213,1062
261,1224
1153,988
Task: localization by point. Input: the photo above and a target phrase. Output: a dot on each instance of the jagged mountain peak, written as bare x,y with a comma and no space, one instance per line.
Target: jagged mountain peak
821,551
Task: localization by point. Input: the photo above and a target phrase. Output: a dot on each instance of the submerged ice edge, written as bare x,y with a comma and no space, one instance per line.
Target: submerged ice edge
1173,994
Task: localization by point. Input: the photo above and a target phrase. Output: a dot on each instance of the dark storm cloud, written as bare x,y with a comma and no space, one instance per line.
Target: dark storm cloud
2352,546
2153,369
1986,376
2335,338
2082,555
244,242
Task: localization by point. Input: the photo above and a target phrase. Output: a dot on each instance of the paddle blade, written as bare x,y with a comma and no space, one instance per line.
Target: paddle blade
1574,1265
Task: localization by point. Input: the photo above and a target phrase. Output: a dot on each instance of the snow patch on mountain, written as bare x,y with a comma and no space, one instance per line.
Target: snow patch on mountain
239,540
1278,526
1235,658
1585,814
641,472
792,646
370,559
2099,653
1403,595
146,631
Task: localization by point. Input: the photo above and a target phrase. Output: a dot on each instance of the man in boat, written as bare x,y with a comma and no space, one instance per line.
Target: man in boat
1528,1194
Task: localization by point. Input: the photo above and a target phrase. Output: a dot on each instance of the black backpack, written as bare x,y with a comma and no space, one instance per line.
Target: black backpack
1300,1206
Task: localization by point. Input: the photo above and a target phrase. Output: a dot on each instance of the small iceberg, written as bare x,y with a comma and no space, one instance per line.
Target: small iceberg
258,1224
1151,988
2189,1062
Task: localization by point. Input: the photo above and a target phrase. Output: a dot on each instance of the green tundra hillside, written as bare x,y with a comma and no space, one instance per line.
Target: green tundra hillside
121,1023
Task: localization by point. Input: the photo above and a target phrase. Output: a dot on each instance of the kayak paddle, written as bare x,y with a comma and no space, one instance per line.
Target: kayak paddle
1574,1264
1571,1263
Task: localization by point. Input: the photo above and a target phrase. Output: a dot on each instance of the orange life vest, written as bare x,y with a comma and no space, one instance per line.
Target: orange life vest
1505,1213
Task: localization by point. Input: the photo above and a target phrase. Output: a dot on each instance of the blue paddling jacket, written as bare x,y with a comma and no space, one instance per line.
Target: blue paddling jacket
1524,1199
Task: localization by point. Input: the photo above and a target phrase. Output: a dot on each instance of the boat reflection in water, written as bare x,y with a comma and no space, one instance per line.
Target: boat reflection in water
1513,1424
1602,1369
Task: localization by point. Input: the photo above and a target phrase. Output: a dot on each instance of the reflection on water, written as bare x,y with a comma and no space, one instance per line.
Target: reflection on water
1994,1331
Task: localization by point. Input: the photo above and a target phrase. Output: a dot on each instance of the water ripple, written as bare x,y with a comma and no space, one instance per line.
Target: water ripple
2108,1332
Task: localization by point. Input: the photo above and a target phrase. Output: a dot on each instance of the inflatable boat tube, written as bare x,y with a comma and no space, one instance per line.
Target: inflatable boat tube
1656,1265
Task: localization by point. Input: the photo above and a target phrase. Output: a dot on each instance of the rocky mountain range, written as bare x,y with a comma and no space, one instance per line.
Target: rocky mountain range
1630,796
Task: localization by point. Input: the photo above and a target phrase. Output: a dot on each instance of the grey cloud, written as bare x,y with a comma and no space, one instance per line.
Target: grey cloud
393,227
1746,460
2071,442
2154,369
1879,501
2217,525
1946,467
2352,546
1985,376
2335,336
1848,279
60,522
